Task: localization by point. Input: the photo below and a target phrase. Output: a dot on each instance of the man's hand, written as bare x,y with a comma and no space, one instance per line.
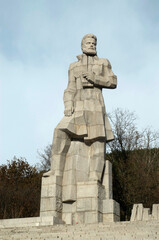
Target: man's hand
68,112
89,76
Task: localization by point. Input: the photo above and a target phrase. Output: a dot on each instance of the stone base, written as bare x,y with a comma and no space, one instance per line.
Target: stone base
51,197
111,211
91,203
110,217
91,206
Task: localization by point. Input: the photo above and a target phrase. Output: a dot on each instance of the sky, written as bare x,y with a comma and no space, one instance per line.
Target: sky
38,41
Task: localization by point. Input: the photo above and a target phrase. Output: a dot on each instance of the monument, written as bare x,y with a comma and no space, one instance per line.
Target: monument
78,188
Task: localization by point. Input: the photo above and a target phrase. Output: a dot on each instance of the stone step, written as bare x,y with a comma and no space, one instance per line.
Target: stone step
145,230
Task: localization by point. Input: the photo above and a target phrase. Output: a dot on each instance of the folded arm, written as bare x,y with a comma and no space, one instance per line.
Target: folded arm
104,78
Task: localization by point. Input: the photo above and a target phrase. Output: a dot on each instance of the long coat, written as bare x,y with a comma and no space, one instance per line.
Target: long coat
89,120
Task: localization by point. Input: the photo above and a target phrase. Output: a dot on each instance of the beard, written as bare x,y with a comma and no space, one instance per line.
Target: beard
91,52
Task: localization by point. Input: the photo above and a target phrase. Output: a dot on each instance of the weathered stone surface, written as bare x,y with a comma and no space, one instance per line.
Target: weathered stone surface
51,196
133,213
51,204
69,207
31,221
146,214
90,189
155,211
79,218
84,204
139,213
110,217
93,217
107,180
51,180
67,218
140,210
147,230
110,206
69,193
51,191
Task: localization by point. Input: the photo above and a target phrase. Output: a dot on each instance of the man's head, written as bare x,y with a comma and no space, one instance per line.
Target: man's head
88,44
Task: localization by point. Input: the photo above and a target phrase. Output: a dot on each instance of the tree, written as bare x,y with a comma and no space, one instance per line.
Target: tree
135,158
20,186
45,159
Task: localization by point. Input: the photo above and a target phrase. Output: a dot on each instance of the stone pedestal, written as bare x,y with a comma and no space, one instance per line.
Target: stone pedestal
88,207
111,211
89,202
92,202
91,205
51,197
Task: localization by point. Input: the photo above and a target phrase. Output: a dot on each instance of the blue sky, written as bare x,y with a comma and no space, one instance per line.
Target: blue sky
38,41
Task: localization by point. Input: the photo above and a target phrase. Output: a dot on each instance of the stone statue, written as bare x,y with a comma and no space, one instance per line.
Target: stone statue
85,116
79,142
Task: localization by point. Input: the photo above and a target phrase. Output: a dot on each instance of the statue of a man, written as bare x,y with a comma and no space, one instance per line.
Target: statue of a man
85,117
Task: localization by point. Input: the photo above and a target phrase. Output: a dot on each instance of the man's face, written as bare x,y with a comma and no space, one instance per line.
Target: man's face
89,46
